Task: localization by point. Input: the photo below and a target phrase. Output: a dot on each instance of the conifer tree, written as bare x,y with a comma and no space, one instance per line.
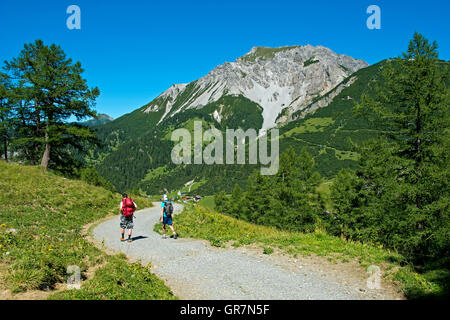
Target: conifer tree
53,91
400,197
285,200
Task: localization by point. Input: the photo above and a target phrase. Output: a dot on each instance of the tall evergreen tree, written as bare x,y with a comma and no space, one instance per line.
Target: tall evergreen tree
295,190
25,125
401,195
53,87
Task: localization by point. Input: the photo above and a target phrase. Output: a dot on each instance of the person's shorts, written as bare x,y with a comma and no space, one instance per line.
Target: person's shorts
167,221
126,222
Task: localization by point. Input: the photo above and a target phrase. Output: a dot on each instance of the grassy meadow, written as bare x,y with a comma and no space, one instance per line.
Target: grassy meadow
42,216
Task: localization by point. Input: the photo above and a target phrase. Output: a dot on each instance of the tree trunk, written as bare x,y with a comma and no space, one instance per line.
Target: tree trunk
5,141
4,133
34,155
418,133
5,147
46,156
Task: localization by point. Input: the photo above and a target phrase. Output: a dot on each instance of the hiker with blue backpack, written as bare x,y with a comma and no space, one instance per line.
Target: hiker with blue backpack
166,216
127,208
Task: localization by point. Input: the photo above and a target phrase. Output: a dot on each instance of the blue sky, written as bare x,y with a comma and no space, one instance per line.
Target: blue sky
133,50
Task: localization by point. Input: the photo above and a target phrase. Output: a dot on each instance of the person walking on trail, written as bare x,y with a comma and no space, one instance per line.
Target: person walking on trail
127,208
166,216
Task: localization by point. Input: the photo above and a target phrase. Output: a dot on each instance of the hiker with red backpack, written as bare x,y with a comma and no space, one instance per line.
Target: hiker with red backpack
127,208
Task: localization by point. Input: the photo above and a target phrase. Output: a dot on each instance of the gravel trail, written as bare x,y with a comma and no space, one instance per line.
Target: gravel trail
195,270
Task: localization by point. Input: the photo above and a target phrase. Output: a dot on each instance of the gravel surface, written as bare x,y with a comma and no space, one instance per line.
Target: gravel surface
195,270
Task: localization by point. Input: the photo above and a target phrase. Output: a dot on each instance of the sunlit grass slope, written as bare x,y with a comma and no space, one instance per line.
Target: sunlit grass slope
220,230
42,217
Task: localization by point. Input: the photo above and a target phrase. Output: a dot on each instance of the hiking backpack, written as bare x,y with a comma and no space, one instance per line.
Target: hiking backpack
168,209
128,207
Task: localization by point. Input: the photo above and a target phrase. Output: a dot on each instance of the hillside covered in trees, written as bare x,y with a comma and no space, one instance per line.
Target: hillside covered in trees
136,151
398,194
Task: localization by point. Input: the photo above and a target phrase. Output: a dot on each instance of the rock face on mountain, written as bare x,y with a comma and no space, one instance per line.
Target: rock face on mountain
99,120
283,81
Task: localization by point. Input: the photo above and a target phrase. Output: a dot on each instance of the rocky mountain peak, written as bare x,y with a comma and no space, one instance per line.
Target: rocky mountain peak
281,80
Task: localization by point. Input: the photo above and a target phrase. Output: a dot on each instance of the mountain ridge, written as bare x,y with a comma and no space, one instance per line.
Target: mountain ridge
101,118
281,80
137,145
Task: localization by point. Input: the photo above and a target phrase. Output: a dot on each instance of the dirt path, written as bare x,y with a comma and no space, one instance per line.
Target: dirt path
195,270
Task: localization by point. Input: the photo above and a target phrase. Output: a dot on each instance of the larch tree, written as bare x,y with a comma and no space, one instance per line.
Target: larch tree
55,91
403,176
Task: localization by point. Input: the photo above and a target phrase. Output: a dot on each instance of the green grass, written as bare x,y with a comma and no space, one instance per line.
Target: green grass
208,202
155,173
265,53
195,185
189,190
188,125
310,125
48,213
346,155
324,189
202,223
120,281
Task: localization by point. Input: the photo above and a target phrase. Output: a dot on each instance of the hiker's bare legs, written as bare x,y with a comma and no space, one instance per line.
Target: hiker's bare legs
164,228
122,231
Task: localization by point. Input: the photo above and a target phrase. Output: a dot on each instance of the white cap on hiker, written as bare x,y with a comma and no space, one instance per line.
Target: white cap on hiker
164,197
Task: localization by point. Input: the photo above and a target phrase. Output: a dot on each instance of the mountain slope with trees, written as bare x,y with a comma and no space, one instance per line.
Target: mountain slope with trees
398,196
135,147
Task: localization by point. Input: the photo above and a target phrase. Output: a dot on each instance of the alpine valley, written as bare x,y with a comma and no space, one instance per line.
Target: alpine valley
307,92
